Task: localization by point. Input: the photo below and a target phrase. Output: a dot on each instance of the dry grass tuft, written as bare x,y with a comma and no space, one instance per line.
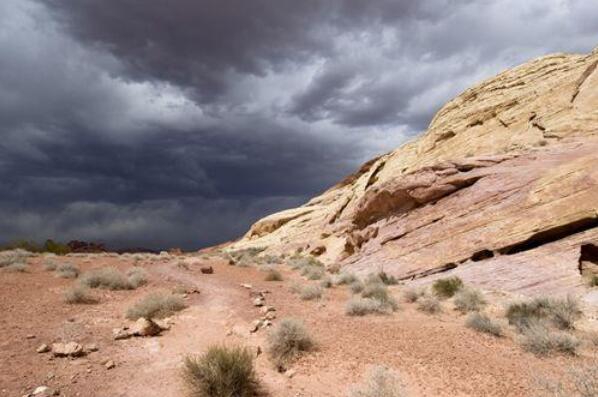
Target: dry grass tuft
156,305
273,275
541,341
137,277
106,278
310,292
469,300
78,294
561,312
287,341
429,304
380,382
221,372
67,270
482,323
412,295
17,267
345,278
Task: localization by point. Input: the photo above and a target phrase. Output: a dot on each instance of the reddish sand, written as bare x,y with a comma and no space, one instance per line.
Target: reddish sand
435,355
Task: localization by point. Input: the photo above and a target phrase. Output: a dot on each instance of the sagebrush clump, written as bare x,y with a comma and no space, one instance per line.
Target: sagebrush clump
106,278
156,305
67,270
561,312
78,294
429,304
469,300
137,277
380,382
310,292
411,295
538,339
221,372
287,341
345,278
447,287
482,323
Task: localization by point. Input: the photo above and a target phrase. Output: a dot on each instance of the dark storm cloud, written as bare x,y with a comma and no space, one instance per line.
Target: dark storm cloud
146,122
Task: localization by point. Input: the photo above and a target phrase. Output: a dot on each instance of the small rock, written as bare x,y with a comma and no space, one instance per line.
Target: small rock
258,302
290,373
92,347
207,269
71,349
266,309
163,324
120,333
110,364
44,391
270,316
266,323
255,326
30,336
43,348
248,286
145,327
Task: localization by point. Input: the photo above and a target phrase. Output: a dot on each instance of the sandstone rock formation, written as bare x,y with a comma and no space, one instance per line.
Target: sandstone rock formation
502,189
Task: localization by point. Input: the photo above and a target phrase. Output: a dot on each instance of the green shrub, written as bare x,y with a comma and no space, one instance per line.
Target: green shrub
380,382
539,340
469,300
310,292
106,278
67,270
156,305
447,287
137,277
429,304
273,275
483,323
287,341
78,294
221,372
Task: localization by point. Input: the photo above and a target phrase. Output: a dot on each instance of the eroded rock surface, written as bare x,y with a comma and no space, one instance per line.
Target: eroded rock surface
507,170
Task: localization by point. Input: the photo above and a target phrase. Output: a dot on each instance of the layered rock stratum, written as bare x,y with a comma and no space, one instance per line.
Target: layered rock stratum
502,190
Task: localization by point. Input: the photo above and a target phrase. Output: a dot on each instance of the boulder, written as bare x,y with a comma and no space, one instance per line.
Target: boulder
145,327
207,269
70,349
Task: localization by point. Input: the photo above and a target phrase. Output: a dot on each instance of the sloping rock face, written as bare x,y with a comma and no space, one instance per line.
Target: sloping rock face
501,189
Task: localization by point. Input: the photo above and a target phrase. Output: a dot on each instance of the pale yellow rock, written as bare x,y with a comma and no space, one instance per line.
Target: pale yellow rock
505,168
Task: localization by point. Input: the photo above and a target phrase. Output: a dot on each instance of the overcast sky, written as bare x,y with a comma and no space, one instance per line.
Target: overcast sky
178,123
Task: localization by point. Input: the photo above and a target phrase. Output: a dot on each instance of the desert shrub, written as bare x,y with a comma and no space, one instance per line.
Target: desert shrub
244,257
221,372
540,340
387,279
273,275
298,262
482,323
380,382
429,304
469,300
17,267
107,278
50,265
593,281
357,286
296,287
411,295
345,278
380,293
156,305
313,272
562,312
56,247
447,287
78,294
182,265
357,306
581,381
287,341
12,257
310,292
67,270
326,282
137,277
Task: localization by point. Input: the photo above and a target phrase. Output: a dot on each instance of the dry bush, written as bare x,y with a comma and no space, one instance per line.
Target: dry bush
298,262
357,286
429,304
67,270
387,279
13,257
156,305
380,293
296,287
287,341
380,382
562,312
447,287
581,381
411,295
221,372
106,278
310,292
50,265
326,282
345,278
469,300
482,323
17,267
78,294
273,275
313,272
357,306
137,277
182,265
538,339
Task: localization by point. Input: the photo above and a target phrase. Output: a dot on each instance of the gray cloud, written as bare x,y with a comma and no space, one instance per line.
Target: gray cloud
141,122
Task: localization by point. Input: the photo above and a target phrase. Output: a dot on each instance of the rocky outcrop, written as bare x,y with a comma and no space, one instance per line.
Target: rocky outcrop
506,170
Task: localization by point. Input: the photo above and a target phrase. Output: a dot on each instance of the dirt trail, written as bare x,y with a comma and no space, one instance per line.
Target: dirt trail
436,356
